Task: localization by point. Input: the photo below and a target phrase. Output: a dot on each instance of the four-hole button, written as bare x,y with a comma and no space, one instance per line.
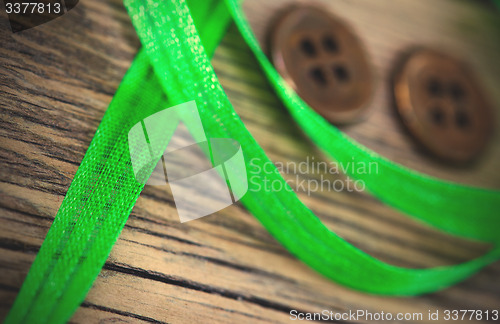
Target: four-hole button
324,61
442,105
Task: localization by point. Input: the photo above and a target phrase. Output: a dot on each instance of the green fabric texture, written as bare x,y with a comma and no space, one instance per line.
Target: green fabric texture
185,73
90,218
98,202
458,209
104,189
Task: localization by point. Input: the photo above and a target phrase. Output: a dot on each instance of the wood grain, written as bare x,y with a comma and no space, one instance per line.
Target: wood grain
57,80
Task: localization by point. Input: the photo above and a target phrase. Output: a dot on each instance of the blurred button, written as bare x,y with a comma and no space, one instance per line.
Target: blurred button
324,62
442,105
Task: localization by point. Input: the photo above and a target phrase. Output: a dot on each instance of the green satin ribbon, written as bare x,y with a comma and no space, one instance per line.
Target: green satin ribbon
174,62
100,198
190,76
458,209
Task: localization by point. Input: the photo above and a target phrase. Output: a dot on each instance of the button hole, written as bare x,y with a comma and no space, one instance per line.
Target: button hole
462,119
435,88
308,47
330,44
318,76
457,92
341,73
437,116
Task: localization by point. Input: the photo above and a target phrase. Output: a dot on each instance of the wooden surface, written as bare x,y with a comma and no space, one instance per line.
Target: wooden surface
57,80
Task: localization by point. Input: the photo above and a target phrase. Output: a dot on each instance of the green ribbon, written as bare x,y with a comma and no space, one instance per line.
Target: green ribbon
466,211
190,76
174,62
99,200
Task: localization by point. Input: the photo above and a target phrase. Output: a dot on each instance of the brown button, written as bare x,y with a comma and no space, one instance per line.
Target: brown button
325,63
442,105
